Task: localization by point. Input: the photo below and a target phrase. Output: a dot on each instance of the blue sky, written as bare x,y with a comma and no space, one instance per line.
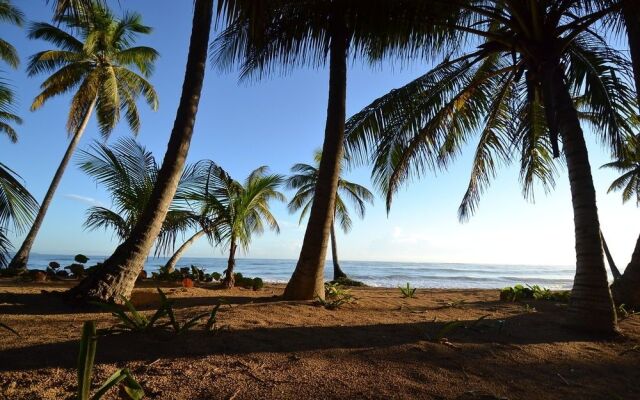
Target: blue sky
279,121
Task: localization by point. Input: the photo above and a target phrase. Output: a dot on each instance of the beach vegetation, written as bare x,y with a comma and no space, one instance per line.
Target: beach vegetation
533,292
86,360
335,296
407,291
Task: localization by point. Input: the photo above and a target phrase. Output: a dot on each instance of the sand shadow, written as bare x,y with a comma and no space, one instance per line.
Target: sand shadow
517,330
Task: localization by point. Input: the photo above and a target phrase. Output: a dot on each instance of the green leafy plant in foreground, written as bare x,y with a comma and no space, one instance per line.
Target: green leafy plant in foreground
408,291
134,321
86,360
335,296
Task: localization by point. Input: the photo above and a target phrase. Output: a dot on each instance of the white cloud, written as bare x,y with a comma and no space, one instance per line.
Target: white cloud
85,199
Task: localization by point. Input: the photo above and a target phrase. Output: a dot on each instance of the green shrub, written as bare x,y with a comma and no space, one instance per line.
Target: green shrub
335,296
86,360
257,283
408,291
81,258
535,292
216,276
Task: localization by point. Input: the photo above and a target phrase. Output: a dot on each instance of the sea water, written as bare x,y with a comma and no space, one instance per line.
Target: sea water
372,273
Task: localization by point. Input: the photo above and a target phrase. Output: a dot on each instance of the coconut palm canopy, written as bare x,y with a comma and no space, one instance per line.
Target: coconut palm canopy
304,179
493,93
12,15
128,171
99,64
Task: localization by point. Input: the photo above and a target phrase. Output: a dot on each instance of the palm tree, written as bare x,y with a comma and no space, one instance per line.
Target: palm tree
304,180
626,289
283,34
102,72
239,209
117,276
128,171
537,71
8,54
17,206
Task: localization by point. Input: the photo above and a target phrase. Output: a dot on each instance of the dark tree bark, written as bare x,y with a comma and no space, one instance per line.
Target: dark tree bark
631,18
229,280
21,258
591,307
307,282
117,276
612,265
337,271
170,266
627,289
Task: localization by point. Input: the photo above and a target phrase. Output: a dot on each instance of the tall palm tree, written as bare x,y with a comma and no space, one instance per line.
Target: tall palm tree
117,276
304,180
282,34
626,289
128,172
102,71
17,206
239,209
536,71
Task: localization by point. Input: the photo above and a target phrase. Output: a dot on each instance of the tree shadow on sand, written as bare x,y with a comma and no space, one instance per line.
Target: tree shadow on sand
496,334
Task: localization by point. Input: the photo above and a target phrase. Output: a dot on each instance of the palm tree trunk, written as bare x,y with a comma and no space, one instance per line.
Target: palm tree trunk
337,271
229,280
307,281
631,17
116,277
612,265
627,289
170,266
591,306
21,258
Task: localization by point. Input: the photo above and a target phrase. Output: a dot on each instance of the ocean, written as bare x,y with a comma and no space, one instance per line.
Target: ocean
373,273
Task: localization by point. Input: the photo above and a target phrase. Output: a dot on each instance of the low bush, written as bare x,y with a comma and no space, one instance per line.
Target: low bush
407,291
335,296
348,282
535,292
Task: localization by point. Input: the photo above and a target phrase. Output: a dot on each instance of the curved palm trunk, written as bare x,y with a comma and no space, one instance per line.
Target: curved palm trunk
612,265
591,307
21,258
170,266
229,280
117,276
627,289
307,281
337,271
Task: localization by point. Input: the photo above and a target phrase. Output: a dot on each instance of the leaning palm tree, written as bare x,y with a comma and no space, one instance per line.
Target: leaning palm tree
304,180
240,209
536,71
283,34
102,71
626,289
116,278
128,171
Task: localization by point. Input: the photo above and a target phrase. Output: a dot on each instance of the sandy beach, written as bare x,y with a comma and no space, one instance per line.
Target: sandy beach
381,346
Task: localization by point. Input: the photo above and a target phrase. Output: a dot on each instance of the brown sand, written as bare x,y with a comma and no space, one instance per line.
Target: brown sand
380,347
